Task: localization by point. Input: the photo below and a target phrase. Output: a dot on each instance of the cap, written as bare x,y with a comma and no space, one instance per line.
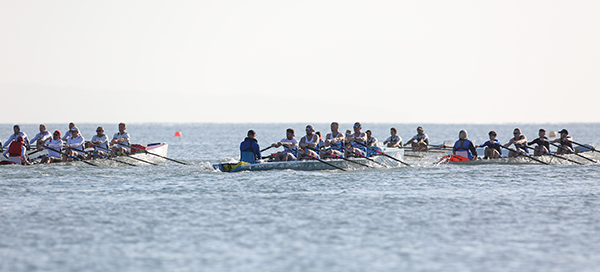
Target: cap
57,132
311,127
564,131
17,126
74,129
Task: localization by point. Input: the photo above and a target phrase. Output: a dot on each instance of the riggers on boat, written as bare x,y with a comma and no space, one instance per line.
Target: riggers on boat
315,165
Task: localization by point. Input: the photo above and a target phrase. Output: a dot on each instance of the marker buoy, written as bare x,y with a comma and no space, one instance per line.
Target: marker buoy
177,134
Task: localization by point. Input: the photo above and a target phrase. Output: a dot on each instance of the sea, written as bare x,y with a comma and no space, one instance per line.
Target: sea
175,217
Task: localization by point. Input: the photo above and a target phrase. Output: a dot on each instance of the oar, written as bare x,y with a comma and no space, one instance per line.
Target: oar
146,151
554,155
339,157
315,158
446,144
73,157
266,148
524,155
383,153
100,156
558,146
360,155
129,156
589,147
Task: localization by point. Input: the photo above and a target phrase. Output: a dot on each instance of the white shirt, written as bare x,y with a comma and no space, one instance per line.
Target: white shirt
103,139
119,136
396,139
76,143
13,137
56,145
42,136
287,150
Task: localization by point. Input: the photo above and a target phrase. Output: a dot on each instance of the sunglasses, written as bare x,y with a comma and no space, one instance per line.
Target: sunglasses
356,126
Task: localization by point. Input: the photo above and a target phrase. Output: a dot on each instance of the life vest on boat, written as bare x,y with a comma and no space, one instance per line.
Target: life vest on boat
15,149
462,149
453,158
248,154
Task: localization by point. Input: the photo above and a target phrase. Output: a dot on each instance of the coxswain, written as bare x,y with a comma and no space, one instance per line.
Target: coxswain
543,145
357,141
18,133
335,140
54,146
120,139
16,151
290,147
75,145
464,147
309,142
492,147
249,149
566,143
520,142
419,141
394,140
41,137
100,144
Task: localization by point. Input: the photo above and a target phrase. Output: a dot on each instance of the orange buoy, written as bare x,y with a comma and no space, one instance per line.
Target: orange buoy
177,134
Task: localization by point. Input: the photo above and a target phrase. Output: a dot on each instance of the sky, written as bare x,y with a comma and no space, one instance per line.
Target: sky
300,61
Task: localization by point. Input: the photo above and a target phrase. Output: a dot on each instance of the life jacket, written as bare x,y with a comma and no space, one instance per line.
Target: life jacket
247,155
453,158
463,149
14,150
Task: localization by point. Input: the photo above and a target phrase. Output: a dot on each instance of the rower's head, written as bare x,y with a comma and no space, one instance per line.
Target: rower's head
517,132
289,133
42,128
369,133
74,131
348,132
564,133
310,130
542,132
71,125
334,127
99,131
420,130
393,131
319,134
251,134
16,129
492,134
56,135
462,135
357,127
122,127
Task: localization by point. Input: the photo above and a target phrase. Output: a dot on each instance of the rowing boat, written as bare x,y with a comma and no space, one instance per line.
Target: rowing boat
315,165
137,157
552,160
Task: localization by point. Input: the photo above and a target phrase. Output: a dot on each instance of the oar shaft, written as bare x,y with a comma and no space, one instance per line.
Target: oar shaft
340,157
383,153
73,157
315,158
524,155
590,147
557,156
579,155
129,156
146,151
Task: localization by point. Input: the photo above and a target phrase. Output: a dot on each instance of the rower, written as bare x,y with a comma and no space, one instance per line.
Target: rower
42,136
249,149
54,143
372,144
321,144
394,140
68,134
543,146
335,140
464,147
354,139
308,142
290,147
16,151
120,139
74,146
566,145
100,143
419,141
520,142
17,133
492,147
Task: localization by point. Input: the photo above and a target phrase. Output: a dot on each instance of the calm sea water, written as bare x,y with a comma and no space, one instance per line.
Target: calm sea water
175,217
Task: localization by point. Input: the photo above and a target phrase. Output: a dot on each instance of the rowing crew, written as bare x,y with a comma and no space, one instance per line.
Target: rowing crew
351,144
70,147
466,149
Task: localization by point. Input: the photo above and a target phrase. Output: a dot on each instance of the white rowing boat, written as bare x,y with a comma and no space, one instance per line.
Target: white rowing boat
315,165
547,159
137,157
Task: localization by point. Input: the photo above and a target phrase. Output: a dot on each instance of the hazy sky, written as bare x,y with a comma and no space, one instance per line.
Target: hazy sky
300,61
